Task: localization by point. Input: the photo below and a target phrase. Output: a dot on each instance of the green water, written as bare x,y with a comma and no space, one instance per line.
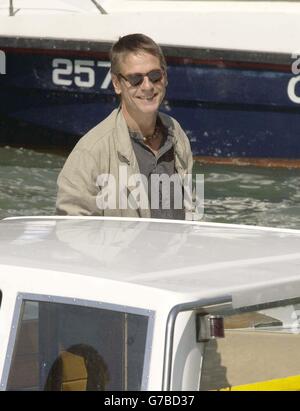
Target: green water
246,195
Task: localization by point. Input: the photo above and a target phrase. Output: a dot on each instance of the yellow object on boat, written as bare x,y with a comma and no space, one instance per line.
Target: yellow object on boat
281,384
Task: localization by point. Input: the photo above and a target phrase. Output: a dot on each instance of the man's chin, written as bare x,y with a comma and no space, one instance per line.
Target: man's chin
148,108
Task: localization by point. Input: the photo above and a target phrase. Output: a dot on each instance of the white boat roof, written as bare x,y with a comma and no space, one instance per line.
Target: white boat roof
265,26
254,265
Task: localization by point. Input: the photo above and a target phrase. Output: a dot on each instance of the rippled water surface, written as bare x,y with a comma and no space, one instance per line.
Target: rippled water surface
27,182
247,195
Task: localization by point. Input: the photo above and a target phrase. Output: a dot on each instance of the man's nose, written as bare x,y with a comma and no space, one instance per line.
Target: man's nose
147,84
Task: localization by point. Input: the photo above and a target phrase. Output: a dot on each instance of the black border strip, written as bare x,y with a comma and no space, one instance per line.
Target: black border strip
186,55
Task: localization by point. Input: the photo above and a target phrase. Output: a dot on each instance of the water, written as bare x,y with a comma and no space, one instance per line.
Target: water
252,195
27,182
245,195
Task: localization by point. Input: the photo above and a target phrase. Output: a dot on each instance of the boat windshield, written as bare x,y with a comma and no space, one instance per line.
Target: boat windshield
72,347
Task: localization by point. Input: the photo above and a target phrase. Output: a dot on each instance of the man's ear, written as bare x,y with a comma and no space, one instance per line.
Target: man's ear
116,84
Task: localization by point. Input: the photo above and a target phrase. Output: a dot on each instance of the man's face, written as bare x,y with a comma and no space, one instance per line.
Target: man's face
146,97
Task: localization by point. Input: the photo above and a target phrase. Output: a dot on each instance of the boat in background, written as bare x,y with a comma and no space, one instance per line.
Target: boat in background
233,70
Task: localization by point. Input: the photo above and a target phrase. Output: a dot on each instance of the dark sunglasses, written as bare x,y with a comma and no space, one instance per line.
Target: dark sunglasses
137,79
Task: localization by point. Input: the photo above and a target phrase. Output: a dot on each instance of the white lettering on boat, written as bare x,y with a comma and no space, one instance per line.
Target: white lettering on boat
293,82
81,73
292,89
2,62
296,64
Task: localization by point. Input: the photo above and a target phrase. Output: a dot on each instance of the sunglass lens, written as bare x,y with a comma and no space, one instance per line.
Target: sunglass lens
135,79
155,75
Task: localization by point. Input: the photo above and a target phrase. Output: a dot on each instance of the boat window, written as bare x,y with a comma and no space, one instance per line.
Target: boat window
65,347
260,351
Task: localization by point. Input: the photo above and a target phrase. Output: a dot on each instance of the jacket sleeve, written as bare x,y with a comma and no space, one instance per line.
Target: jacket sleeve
188,153
195,208
77,188
194,199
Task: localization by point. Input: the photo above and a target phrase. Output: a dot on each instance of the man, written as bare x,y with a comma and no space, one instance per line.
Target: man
131,147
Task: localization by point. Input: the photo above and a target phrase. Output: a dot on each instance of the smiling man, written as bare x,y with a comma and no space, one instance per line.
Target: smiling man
136,161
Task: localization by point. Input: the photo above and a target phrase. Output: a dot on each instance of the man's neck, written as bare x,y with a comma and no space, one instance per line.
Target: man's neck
144,124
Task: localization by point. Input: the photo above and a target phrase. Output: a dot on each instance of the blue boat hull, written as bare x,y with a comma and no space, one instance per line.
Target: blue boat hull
232,109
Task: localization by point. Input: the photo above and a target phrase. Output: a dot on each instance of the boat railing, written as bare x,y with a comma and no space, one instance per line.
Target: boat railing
12,11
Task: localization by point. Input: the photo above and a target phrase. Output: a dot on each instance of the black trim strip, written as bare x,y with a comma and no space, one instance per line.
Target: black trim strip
233,106
171,52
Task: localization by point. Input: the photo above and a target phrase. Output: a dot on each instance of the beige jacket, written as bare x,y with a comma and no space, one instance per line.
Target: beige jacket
101,151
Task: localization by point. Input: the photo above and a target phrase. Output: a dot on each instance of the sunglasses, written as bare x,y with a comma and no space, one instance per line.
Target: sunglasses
138,78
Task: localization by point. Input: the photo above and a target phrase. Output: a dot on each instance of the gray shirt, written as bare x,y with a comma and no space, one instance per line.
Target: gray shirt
154,166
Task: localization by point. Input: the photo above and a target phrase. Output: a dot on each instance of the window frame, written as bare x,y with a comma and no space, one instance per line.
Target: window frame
16,322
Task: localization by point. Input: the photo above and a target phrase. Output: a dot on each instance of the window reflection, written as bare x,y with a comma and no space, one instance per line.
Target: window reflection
66,347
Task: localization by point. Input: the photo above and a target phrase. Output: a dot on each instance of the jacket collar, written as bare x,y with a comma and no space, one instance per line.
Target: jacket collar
123,142
125,149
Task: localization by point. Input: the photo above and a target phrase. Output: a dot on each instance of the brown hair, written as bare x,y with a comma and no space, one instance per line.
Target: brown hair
134,43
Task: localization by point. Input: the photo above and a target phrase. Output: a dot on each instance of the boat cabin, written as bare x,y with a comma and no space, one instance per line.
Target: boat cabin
92,303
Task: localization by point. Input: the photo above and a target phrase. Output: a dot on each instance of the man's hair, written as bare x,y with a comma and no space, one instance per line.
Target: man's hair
134,43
